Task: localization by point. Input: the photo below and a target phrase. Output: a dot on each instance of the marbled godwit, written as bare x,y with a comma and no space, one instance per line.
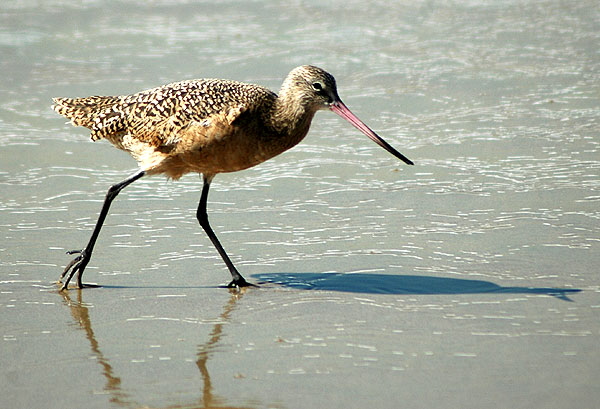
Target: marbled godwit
207,126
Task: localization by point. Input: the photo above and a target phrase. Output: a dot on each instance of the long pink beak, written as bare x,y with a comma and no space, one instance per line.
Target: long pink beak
342,110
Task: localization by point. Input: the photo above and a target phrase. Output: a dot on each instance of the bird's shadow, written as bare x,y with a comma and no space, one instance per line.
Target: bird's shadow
401,284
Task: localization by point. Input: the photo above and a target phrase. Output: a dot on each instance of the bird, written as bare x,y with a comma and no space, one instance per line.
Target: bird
206,126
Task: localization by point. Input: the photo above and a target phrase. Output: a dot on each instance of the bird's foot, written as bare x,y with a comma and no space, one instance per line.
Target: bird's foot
240,283
76,266
78,287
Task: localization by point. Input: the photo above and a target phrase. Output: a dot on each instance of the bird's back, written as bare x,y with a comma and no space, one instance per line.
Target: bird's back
154,115
179,127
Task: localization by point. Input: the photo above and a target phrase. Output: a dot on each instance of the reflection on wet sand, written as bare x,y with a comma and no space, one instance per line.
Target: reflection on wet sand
205,352
113,387
81,315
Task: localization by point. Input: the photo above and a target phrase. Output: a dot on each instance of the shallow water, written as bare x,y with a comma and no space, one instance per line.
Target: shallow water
468,280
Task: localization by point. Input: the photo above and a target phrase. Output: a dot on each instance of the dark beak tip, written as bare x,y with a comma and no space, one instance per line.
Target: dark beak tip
342,110
406,160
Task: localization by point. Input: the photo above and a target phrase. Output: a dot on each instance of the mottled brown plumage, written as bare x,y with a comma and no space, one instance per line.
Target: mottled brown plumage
207,126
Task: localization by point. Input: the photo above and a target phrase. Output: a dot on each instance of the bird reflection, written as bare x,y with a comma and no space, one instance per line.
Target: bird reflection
81,315
113,387
205,352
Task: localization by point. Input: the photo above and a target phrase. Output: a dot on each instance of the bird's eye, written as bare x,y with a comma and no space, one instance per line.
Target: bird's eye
321,91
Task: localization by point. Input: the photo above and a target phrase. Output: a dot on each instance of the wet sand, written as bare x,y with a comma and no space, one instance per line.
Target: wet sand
339,342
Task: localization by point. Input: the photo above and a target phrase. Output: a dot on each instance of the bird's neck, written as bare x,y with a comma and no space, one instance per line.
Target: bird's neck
291,117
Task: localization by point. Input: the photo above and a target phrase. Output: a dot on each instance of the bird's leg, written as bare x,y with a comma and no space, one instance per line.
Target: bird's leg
78,264
238,280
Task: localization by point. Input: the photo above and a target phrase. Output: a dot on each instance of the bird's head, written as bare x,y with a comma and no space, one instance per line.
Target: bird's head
316,89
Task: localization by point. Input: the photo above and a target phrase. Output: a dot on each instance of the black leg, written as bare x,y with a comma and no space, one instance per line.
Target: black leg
238,280
78,264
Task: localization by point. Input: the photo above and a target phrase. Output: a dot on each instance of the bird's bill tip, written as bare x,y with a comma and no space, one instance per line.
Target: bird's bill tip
342,110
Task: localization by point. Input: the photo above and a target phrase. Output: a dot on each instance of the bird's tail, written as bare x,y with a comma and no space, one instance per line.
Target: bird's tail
90,112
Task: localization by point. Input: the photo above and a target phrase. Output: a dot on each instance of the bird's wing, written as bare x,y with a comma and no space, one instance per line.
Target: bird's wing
163,116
